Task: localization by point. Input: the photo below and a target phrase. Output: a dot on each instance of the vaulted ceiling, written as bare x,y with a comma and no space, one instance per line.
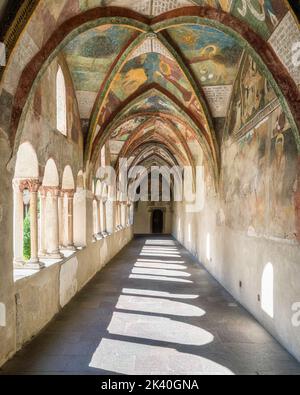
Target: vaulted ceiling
129,83
165,83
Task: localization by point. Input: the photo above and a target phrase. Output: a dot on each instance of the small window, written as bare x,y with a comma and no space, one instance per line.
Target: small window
61,103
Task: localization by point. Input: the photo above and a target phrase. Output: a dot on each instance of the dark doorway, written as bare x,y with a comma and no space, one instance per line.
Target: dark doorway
157,221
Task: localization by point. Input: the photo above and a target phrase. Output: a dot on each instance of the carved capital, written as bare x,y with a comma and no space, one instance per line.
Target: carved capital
53,191
69,192
32,185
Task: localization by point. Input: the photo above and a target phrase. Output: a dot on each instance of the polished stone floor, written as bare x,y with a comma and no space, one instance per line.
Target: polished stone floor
153,310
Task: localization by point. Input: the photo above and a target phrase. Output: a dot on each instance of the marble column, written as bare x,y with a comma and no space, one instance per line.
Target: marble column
33,187
123,214
61,219
53,224
43,248
18,224
104,225
34,233
70,213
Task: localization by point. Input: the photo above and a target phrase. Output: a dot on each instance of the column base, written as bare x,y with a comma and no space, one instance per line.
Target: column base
54,255
34,265
70,248
19,264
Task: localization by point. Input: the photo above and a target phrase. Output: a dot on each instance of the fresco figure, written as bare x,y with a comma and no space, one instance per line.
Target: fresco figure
263,15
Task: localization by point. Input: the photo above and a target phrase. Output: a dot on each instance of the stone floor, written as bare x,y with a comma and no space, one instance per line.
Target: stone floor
153,310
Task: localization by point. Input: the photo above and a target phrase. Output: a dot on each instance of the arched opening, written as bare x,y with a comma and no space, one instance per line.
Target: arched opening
26,207
157,222
66,209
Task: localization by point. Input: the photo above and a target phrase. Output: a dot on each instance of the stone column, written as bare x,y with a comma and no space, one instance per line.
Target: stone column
104,225
99,217
43,248
33,187
110,210
61,218
70,235
122,214
18,224
34,232
53,225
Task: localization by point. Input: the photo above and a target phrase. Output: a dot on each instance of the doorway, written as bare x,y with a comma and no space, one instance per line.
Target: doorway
157,222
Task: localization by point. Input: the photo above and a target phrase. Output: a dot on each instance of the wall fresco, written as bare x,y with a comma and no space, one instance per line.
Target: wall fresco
260,179
251,94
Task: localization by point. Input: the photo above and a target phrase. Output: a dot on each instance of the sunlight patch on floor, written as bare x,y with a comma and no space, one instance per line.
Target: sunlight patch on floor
158,328
160,272
158,306
146,292
133,358
159,278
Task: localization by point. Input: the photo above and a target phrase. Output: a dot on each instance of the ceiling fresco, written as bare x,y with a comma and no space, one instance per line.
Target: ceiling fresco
213,55
90,56
183,70
154,7
147,69
214,58
263,16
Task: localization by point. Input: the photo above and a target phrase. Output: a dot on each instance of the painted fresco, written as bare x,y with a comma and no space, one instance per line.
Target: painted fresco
154,7
154,68
251,94
213,55
145,70
146,7
122,132
260,179
283,176
152,104
262,15
91,54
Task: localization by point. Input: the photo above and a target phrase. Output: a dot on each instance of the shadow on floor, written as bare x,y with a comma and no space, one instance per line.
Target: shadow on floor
153,310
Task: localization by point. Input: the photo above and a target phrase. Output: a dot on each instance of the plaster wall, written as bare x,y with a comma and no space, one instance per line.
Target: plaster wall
237,260
7,302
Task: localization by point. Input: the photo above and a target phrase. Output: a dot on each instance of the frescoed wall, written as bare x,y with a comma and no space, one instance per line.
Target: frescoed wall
251,94
260,175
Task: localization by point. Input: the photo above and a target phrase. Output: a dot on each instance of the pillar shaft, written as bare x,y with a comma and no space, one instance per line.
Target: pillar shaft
18,223
34,226
43,248
53,224
61,219
70,218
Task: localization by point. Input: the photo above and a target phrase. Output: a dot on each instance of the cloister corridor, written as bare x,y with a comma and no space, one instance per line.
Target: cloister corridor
153,310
